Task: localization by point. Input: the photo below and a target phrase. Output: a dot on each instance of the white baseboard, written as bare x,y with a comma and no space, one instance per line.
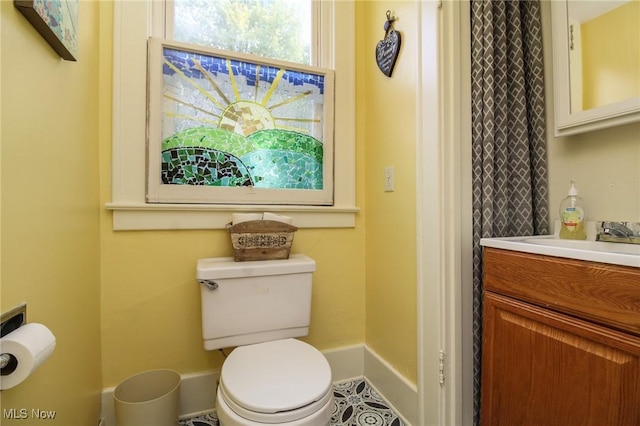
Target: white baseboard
197,391
346,363
399,392
107,410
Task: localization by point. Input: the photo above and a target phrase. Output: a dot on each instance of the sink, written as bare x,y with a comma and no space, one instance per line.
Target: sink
595,251
587,245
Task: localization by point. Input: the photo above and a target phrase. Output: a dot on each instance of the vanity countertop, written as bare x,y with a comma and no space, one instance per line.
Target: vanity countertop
594,251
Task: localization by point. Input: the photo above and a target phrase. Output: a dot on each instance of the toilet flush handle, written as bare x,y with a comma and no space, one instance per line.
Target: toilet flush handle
210,284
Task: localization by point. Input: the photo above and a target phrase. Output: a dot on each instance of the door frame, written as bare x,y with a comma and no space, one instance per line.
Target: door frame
444,221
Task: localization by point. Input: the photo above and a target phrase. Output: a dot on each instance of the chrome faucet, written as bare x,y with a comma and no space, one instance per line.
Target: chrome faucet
619,232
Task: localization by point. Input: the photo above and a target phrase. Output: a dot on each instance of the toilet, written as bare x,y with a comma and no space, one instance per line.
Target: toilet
259,308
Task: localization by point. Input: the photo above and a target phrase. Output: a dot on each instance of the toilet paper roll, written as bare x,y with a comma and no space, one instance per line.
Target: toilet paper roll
28,347
244,217
277,217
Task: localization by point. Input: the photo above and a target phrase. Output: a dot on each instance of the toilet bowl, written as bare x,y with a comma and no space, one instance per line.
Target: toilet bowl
285,382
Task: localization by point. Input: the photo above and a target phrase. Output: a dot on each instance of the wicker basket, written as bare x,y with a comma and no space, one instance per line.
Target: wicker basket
261,240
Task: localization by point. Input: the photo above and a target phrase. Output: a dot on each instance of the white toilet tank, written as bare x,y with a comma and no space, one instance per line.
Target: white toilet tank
256,301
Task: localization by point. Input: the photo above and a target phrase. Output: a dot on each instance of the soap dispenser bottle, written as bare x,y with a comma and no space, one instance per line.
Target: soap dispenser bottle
572,216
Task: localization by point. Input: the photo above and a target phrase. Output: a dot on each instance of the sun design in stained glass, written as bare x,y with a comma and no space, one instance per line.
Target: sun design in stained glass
220,126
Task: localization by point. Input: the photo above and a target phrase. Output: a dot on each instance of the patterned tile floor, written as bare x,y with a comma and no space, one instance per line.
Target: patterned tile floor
355,404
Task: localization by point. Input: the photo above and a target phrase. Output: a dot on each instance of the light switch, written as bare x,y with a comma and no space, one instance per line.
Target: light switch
389,179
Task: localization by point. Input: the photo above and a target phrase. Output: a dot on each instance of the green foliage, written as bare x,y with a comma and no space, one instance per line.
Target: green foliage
269,28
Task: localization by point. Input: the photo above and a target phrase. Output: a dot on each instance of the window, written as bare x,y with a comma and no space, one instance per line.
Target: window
131,211
276,29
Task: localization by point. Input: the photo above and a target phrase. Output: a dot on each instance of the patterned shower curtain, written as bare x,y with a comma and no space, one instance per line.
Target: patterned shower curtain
508,136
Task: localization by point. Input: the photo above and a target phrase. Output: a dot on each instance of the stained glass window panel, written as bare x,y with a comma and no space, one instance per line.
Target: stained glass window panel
240,121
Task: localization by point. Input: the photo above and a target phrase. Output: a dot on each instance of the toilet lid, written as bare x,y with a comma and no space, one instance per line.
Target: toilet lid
275,377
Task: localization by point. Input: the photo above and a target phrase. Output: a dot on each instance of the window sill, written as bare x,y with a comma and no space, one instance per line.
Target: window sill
141,216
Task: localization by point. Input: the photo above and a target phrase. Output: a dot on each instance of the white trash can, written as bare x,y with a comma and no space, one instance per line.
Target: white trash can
150,398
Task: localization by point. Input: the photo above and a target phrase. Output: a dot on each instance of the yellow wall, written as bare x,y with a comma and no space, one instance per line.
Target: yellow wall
611,56
50,212
387,127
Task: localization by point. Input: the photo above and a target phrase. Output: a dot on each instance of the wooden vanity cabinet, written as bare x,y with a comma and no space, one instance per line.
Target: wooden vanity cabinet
561,341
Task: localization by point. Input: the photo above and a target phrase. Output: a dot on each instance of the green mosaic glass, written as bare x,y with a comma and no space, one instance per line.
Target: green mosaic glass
267,159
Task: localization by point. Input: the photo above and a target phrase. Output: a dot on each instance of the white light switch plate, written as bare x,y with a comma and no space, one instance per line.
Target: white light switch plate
389,179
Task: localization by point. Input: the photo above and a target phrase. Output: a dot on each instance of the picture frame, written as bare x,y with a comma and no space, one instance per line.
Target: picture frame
56,21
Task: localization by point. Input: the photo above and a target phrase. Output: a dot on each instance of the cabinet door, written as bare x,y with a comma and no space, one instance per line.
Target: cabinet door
544,368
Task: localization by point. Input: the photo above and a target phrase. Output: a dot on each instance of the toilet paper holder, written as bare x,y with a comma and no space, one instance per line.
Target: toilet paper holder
6,360
11,320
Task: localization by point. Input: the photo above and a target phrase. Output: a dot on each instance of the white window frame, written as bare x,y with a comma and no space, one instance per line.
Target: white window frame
134,23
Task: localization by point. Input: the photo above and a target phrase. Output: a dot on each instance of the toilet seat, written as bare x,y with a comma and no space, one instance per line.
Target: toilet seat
228,417
276,382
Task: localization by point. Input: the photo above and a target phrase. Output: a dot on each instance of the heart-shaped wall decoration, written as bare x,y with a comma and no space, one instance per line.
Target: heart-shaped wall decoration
387,52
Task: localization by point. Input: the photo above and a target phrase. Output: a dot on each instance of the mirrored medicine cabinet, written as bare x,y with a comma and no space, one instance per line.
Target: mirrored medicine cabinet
596,64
